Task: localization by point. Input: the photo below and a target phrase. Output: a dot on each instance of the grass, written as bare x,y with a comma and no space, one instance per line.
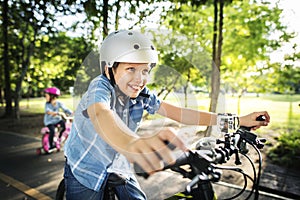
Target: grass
283,113
283,109
37,105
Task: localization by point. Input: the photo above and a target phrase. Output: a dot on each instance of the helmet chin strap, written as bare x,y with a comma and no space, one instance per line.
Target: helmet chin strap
111,74
111,77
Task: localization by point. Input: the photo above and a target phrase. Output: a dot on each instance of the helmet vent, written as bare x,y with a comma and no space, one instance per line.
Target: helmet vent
136,46
130,33
152,47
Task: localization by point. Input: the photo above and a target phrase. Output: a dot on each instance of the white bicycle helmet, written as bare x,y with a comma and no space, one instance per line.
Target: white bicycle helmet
127,46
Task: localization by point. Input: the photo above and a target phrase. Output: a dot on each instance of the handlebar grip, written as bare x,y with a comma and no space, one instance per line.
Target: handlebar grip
259,118
140,171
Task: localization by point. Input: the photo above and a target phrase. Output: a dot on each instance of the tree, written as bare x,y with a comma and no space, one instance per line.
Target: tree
179,60
26,21
216,54
246,28
106,16
246,50
185,17
30,22
7,92
56,61
285,77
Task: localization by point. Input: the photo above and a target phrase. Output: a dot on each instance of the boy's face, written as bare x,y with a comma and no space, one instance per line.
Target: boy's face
132,77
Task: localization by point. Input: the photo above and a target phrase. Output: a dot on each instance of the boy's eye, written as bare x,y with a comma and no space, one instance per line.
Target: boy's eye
145,71
131,69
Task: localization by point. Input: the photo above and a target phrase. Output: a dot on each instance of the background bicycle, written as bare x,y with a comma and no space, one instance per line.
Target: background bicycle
45,148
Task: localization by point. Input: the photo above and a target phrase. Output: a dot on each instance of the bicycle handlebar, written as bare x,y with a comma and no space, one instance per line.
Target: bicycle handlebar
203,160
65,116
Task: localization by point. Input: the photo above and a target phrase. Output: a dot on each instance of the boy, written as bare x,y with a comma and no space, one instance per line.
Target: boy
103,139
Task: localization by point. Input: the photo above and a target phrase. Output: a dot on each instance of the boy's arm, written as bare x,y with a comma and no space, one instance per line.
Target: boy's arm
187,116
110,127
195,117
148,151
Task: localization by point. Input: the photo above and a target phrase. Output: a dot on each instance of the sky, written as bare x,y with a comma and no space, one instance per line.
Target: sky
290,17
291,14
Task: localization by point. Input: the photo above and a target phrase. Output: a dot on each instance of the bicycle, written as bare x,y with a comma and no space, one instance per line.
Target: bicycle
45,148
204,166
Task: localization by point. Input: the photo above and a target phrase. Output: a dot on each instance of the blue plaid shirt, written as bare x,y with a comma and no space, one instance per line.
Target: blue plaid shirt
88,155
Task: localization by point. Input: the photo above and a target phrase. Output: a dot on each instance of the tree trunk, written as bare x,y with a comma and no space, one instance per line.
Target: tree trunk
216,57
118,7
26,55
219,55
7,89
215,70
105,18
186,89
18,93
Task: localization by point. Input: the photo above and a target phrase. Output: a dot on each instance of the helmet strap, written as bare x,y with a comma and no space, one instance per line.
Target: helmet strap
111,77
111,74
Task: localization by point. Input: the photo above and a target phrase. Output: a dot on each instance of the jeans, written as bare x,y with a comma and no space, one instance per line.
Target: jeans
75,190
51,128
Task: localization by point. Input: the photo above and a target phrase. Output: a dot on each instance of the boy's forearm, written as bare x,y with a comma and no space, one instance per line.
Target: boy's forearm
188,116
110,127
194,117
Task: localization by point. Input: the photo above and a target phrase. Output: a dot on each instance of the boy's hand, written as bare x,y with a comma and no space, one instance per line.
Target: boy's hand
250,120
152,153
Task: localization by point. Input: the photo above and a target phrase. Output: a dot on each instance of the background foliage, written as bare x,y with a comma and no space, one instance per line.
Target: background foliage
55,43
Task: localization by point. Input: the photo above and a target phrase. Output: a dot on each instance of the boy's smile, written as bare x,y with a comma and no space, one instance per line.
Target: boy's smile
131,78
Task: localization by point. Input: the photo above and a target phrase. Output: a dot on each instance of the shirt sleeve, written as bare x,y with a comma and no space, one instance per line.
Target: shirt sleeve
99,91
65,108
152,103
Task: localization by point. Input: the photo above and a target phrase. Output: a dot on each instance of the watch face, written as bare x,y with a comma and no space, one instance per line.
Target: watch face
227,123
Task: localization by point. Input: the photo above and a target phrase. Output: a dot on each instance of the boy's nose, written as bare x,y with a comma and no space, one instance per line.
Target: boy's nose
138,76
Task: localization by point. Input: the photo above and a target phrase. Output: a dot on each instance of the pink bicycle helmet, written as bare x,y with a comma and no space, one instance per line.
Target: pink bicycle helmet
52,90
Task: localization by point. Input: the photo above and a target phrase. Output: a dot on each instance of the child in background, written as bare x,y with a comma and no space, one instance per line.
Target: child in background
52,116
